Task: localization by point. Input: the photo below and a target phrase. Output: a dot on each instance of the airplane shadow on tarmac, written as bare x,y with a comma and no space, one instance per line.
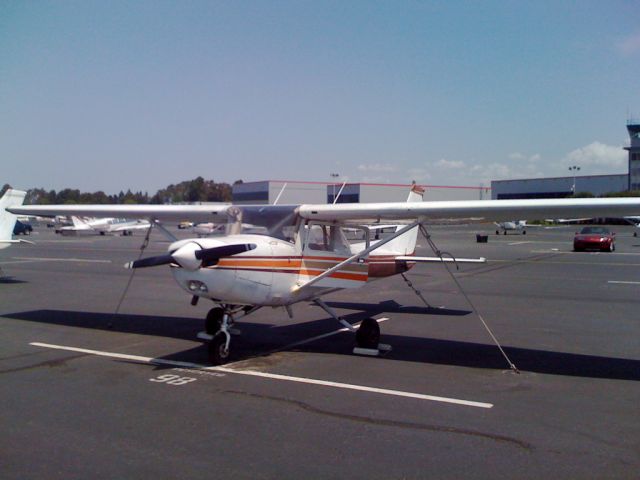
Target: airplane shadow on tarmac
10,280
258,339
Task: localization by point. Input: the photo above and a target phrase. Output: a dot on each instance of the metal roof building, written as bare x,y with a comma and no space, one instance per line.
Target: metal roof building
295,192
558,187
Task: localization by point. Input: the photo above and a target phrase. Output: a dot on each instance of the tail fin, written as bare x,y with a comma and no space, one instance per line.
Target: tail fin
406,244
79,224
11,198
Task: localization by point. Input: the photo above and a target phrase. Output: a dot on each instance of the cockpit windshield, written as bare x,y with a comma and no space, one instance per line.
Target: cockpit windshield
277,221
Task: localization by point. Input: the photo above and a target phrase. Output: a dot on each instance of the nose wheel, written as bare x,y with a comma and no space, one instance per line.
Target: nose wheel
217,326
219,351
218,331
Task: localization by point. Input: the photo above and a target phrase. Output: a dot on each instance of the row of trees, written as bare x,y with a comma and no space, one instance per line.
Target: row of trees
189,191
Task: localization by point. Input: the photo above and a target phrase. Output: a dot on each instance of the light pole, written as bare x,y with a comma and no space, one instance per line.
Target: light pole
574,169
334,177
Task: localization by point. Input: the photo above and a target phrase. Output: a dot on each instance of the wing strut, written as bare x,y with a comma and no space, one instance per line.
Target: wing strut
355,257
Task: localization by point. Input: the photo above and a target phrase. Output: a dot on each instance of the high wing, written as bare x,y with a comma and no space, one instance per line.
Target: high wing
471,210
162,213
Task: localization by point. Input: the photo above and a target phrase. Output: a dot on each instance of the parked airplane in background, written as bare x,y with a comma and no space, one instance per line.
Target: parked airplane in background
518,226
102,226
10,198
304,254
635,221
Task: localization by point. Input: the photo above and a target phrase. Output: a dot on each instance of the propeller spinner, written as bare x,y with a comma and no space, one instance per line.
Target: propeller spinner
192,256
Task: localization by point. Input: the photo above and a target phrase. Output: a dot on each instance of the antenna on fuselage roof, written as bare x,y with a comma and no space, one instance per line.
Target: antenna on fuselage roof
339,192
275,202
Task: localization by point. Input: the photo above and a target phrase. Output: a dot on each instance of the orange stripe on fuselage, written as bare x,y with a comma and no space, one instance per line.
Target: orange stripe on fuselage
376,266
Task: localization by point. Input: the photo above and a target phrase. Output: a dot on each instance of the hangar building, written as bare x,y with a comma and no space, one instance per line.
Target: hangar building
558,187
294,192
561,187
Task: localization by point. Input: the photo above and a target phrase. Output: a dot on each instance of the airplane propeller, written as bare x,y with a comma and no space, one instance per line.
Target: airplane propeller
192,256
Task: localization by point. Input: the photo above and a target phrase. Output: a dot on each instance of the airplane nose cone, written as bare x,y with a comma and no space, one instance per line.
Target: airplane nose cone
185,256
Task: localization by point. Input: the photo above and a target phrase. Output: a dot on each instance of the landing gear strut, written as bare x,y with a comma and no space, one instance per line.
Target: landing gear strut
217,326
213,322
218,348
367,335
218,330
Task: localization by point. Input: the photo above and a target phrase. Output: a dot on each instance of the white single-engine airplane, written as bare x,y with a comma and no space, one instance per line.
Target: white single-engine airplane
103,226
518,226
10,198
304,254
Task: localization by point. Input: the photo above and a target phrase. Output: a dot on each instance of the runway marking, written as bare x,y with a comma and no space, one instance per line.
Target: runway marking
623,282
520,243
50,259
570,252
567,262
67,241
273,376
324,335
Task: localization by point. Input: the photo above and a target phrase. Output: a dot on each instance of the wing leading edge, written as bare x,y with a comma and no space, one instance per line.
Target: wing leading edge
475,210
167,213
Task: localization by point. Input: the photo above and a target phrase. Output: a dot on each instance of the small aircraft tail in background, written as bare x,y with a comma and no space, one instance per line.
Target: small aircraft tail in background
11,198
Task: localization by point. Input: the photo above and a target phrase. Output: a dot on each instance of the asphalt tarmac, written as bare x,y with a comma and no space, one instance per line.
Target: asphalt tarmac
90,393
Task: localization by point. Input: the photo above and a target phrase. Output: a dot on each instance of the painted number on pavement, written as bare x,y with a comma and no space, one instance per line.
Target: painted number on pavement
172,379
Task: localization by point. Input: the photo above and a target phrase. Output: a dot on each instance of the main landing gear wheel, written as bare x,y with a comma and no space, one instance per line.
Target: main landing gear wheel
218,351
368,335
213,322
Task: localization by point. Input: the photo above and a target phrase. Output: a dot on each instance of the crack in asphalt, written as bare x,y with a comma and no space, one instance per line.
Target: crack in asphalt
389,423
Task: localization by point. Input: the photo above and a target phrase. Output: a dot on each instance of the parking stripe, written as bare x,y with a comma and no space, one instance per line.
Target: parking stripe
273,376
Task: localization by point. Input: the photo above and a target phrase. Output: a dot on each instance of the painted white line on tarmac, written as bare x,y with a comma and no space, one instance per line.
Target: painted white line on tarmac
596,252
272,376
66,241
519,243
623,282
324,335
49,259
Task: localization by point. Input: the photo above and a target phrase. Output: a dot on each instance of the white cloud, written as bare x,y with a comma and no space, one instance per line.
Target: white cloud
521,156
374,179
629,45
418,174
377,167
600,158
450,164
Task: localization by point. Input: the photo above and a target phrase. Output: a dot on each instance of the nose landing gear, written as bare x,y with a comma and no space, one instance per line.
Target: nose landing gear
218,331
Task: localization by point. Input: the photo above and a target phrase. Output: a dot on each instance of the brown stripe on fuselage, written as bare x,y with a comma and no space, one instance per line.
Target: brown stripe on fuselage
387,266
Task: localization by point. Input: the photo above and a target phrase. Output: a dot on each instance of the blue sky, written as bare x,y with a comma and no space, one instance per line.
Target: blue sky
116,95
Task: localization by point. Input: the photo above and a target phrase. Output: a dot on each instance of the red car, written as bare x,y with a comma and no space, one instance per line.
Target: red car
596,238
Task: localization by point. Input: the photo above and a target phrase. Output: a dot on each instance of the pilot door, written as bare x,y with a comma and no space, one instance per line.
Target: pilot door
254,273
325,246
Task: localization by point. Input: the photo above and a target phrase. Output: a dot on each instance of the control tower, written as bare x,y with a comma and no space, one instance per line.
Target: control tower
633,127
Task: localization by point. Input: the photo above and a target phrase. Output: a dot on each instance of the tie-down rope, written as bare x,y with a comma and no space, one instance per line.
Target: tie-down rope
440,254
